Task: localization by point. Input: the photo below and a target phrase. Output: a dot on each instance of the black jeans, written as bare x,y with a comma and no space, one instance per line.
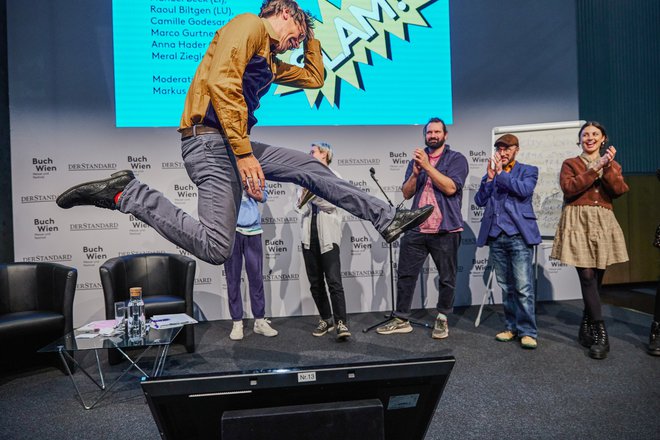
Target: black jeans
415,247
322,269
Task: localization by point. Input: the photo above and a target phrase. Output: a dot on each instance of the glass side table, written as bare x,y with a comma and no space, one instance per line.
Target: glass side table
158,338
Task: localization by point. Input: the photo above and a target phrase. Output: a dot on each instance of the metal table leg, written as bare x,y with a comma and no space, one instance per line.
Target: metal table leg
133,364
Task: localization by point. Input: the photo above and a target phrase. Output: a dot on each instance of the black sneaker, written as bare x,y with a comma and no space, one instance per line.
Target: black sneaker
323,328
404,220
342,331
99,193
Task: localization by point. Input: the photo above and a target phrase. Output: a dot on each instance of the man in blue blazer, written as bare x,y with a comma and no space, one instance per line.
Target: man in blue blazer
509,228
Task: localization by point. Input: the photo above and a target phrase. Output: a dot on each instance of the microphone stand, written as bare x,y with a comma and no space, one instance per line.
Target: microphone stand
391,315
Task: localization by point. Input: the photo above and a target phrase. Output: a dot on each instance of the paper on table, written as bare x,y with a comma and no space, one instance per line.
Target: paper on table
171,320
98,325
86,335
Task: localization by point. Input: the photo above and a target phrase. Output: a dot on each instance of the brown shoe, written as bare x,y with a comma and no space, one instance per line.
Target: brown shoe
528,342
505,336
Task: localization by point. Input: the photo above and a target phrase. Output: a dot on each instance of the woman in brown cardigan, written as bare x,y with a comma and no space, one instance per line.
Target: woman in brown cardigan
588,235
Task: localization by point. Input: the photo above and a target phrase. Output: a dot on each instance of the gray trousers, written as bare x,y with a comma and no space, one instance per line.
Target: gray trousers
211,165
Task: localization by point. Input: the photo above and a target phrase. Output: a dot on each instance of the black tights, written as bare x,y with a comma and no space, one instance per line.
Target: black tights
590,280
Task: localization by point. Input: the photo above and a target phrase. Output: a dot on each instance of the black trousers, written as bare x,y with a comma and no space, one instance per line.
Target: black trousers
415,247
322,269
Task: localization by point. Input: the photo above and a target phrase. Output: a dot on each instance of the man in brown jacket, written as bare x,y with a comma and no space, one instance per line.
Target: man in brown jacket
236,71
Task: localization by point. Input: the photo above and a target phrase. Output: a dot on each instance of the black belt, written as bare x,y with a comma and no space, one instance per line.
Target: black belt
196,130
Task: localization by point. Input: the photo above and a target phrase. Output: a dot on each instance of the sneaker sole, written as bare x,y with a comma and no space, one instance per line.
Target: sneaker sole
504,339
318,335
445,336
411,224
342,336
395,331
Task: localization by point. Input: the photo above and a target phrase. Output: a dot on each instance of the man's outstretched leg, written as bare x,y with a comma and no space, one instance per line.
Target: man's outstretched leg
211,238
211,167
286,165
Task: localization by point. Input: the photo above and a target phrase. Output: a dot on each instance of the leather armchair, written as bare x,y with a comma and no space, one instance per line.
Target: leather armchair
36,307
167,282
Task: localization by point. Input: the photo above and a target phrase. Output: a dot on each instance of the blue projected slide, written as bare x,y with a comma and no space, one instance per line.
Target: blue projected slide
387,62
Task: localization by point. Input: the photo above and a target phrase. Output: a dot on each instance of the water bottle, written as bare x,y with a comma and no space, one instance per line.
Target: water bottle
137,324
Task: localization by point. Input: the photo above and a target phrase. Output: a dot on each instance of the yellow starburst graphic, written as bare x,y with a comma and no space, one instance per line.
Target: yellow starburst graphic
349,34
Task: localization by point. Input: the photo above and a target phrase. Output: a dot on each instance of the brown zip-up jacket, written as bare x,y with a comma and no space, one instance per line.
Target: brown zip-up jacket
236,71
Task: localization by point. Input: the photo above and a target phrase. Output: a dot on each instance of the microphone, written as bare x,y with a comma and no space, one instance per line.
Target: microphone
372,171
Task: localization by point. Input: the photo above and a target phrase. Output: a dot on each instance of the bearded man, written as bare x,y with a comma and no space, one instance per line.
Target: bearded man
435,177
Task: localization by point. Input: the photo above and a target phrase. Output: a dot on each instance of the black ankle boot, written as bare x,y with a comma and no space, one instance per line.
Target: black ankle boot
601,345
586,335
654,339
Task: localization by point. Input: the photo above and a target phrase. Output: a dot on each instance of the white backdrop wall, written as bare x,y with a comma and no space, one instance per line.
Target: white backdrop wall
513,62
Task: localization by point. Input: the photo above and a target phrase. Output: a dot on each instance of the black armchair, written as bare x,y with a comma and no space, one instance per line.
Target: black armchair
36,306
167,282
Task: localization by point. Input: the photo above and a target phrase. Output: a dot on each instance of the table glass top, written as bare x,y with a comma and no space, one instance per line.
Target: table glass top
71,342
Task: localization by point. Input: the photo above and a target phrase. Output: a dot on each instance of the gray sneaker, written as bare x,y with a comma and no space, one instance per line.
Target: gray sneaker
440,329
323,328
396,325
342,331
262,327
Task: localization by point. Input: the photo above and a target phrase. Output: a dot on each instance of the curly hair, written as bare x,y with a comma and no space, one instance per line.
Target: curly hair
434,119
270,8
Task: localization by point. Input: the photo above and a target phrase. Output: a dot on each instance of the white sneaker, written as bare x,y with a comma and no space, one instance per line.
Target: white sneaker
262,327
236,331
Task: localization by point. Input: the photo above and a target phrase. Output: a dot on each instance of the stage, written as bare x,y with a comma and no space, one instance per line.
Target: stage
496,389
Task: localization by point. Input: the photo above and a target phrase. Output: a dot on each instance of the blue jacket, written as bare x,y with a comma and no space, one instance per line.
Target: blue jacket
518,186
455,166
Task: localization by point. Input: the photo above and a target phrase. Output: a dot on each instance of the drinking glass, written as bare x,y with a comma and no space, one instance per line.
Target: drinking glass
120,314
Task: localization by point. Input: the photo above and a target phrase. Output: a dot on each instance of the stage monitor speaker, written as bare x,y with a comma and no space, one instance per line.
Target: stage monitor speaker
192,406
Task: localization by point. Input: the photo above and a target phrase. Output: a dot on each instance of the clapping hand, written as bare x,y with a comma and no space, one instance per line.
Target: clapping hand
607,158
494,166
421,159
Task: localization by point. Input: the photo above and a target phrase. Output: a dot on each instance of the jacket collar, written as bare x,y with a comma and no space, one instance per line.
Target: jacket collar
429,150
510,166
274,38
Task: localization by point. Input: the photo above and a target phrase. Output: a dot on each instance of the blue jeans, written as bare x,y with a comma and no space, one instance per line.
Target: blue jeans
415,247
211,166
512,261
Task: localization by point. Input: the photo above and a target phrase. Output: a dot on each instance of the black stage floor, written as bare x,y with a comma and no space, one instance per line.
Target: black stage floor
496,390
